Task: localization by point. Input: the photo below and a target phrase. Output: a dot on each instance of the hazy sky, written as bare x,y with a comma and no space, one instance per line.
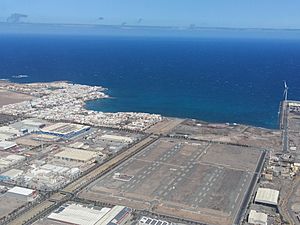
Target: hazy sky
221,13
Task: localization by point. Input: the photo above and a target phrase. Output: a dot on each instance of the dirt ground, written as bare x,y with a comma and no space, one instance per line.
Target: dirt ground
8,97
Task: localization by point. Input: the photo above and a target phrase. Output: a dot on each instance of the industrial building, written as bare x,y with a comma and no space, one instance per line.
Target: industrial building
6,145
257,218
11,174
118,215
267,196
79,145
49,175
29,125
10,160
8,133
78,214
22,193
65,130
76,155
116,138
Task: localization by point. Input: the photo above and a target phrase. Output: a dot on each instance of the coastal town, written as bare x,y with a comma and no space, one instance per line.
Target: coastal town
61,163
65,101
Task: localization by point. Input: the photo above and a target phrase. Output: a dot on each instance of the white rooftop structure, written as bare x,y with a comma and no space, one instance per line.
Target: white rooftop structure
76,155
77,145
8,132
4,145
78,214
21,191
13,173
117,215
55,169
64,129
257,218
267,196
15,157
294,104
116,138
4,136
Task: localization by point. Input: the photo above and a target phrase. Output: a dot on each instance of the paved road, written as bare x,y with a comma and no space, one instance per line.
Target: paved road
165,126
240,214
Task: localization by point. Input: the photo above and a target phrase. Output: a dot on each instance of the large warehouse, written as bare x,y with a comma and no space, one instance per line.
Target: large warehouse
22,193
81,215
76,155
65,130
78,214
267,196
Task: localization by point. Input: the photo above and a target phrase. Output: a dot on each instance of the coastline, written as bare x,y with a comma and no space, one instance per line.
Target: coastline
85,102
63,101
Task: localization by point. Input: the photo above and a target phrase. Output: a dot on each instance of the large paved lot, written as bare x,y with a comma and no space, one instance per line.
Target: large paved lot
193,180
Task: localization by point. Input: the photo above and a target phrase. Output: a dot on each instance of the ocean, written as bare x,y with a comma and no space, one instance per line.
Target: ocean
213,79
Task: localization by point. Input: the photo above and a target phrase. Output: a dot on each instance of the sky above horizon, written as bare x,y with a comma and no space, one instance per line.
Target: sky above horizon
203,13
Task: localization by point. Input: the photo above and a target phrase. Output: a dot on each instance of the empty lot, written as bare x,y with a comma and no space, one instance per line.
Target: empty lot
193,180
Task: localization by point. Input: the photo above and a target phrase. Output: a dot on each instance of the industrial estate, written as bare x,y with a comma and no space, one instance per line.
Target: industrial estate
63,164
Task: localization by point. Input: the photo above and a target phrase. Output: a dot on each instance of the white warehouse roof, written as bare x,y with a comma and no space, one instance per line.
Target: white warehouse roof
13,173
117,213
257,218
7,144
63,128
78,214
116,138
15,158
21,191
76,154
267,196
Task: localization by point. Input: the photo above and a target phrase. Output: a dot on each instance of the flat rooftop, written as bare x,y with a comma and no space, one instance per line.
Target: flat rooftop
77,214
76,154
21,191
194,180
63,128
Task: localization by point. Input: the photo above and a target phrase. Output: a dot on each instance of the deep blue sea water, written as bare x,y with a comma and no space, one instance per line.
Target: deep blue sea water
216,79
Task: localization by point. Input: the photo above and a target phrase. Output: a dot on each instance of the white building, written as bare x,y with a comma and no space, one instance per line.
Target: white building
118,215
78,214
65,130
116,138
76,155
11,174
267,196
6,145
21,193
257,218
